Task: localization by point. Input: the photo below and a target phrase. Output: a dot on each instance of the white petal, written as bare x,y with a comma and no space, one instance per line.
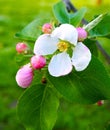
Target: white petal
81,57
60,65
45,45
66,32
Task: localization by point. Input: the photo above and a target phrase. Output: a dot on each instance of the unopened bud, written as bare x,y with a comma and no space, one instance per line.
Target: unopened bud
82,34
100,102
24,76
21,48
47,28
38,62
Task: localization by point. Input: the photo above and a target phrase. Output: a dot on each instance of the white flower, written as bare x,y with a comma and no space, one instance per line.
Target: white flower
63,38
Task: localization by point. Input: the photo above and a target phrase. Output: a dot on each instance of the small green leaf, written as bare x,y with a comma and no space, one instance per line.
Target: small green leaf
102,29
87,86
94,23
32,30
37,108
60,12
76,18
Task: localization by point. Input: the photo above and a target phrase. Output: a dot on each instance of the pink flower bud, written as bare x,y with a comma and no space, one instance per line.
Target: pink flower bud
100,102
21,47
82,34
47,28
38,62
24,76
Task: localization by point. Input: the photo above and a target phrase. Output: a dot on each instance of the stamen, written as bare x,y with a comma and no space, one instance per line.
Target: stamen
63,46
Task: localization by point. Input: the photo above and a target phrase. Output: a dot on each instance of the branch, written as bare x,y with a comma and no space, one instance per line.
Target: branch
71,7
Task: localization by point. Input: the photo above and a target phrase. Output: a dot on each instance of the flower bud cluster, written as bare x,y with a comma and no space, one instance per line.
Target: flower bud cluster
25,74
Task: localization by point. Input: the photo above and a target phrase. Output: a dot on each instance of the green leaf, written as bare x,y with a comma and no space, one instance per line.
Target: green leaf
65,86
88,86
32,30
37,108
91,44
63,16
77,17
60,12
102,29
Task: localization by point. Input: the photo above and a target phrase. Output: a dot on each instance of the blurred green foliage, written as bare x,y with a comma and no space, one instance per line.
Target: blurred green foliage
14,15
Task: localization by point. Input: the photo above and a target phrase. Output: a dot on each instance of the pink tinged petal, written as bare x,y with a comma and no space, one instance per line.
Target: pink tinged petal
60,65
24,76
81,57
66,32
45,45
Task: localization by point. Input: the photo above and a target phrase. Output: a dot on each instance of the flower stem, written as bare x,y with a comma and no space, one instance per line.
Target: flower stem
71,7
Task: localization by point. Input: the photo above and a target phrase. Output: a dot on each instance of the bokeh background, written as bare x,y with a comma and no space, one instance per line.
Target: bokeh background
14,15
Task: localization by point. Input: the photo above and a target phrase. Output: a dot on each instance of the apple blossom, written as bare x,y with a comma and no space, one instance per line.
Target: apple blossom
24,76
100,102
82,34
38,62
21,47
62,39
47,28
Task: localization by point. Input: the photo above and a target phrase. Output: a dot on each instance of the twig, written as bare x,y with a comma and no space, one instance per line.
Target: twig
71,7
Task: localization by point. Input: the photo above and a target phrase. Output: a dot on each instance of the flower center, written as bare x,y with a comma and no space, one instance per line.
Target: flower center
62,46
